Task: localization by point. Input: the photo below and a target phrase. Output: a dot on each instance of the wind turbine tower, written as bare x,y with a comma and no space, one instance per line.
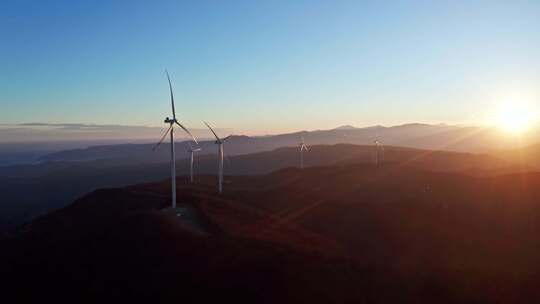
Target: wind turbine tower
379,152
191,151
219,142
303,147
172,121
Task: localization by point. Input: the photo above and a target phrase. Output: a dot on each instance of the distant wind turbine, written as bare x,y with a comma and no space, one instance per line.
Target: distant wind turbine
191,151
219,142
379,151
170,131
303,147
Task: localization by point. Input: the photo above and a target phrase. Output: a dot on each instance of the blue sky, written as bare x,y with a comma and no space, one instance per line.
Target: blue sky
266,66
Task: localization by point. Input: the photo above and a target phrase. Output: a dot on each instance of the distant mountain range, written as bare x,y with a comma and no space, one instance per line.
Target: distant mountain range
33,189
30,190
421,136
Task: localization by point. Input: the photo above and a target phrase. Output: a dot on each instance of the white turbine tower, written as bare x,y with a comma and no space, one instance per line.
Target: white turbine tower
191,151
170,131
379,150
303,147
219,142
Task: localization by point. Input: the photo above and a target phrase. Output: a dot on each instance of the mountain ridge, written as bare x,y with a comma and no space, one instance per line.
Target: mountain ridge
28,191
413,135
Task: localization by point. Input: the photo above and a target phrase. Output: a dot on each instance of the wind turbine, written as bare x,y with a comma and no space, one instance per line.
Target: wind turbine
219,142
303,147
191,150
379,148
170,130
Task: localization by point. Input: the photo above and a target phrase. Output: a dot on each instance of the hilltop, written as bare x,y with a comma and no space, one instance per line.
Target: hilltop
326,234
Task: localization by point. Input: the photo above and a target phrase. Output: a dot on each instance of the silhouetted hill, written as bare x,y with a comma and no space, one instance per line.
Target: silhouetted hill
345,233
115,243
30,190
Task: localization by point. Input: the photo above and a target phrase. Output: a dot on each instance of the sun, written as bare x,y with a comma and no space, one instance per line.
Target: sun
515,118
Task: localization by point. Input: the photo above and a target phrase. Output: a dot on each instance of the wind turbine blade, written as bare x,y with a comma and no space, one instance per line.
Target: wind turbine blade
172,95
187,131
162,138
212,131
304,147
224,139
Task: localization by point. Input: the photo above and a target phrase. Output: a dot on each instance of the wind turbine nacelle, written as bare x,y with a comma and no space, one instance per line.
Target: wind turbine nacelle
168,120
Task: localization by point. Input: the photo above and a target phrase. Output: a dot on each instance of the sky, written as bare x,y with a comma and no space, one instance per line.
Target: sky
264,67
